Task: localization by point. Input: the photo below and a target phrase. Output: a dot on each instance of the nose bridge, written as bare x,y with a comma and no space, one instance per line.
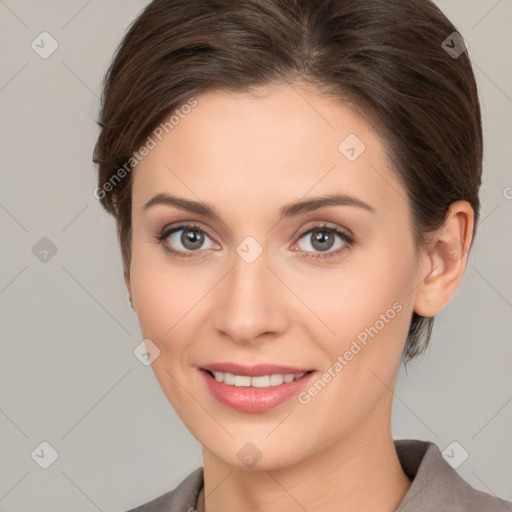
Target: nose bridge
250,303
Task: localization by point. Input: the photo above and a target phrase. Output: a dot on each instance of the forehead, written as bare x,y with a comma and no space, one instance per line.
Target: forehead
263,149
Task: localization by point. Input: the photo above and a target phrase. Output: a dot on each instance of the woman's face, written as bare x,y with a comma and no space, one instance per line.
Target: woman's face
327,287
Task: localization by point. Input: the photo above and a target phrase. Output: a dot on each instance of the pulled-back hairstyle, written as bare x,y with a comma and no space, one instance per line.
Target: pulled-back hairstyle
398,61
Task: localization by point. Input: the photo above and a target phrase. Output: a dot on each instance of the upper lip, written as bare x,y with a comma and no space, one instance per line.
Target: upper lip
254,370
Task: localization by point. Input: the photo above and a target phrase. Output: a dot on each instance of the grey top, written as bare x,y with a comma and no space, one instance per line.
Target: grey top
436,486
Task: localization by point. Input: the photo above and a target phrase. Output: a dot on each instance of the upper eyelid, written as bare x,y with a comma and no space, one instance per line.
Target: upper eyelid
328,226
168,230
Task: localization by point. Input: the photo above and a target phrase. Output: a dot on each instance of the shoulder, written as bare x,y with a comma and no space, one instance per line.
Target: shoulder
181,499
436,486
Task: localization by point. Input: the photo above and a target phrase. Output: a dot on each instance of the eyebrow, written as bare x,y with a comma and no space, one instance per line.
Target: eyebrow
290,210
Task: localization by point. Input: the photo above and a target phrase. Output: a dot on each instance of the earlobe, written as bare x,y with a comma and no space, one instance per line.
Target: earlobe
446,261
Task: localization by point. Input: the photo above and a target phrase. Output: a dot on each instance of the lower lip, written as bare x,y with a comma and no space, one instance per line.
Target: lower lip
248,399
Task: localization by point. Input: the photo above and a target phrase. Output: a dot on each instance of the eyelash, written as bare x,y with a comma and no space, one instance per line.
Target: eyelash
346,237
317,256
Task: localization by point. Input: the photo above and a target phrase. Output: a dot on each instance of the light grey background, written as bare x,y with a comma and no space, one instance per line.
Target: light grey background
68,373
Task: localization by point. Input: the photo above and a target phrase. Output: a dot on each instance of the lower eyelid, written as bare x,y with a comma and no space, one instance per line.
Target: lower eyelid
324,255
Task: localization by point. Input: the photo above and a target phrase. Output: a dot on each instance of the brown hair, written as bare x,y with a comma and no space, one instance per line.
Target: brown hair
390,58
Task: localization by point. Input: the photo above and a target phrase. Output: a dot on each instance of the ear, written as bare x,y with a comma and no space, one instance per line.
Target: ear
446,260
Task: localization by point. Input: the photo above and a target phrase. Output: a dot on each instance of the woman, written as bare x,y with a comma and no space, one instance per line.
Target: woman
295,185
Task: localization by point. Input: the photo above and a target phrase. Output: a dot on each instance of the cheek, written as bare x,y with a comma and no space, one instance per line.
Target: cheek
158,293
161,304
370,314
165,311
170,299
368,307
351,298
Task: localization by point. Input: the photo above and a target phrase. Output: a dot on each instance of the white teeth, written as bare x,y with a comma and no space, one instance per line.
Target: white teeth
241,380
263,381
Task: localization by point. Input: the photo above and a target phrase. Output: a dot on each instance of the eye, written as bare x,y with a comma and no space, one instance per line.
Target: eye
328,241
184,240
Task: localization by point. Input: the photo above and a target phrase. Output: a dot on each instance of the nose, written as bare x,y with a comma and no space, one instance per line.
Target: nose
251,303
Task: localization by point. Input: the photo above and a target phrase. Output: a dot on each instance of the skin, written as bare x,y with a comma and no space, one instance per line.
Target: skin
247,156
